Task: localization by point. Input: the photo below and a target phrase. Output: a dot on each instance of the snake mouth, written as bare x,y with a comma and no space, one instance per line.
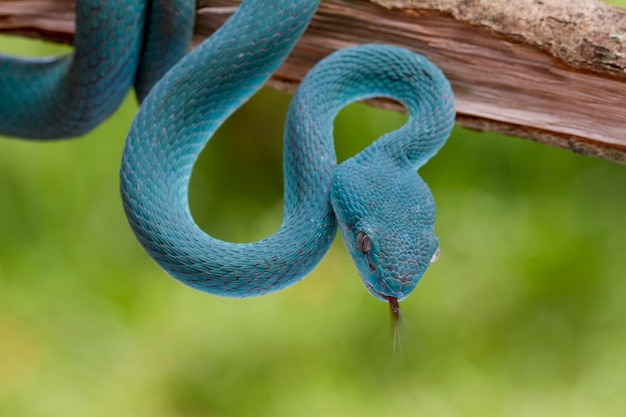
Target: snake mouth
381,296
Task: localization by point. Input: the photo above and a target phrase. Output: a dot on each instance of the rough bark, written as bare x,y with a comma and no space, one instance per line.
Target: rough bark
553,71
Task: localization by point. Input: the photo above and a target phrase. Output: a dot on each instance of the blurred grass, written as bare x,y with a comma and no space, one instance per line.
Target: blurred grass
524,314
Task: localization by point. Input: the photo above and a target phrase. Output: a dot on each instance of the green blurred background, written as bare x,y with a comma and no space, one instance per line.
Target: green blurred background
523,315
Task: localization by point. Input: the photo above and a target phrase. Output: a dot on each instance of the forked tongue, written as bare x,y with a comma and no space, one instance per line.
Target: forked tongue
395,310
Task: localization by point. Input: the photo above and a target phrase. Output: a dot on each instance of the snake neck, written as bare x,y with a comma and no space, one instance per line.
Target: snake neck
371,71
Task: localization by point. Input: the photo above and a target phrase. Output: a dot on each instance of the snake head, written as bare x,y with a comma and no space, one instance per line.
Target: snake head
386,216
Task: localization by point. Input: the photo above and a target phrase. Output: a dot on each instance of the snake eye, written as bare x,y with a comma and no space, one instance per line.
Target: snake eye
363,242
435,256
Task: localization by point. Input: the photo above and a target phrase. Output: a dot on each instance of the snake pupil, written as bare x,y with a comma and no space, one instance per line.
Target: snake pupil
363,242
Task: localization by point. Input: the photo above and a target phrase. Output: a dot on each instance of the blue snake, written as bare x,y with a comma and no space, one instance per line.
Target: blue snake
382,207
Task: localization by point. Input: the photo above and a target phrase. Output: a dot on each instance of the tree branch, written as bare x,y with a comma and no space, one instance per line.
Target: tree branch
553,71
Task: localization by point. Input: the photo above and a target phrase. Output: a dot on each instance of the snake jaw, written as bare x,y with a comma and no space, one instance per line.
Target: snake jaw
376,293
378,285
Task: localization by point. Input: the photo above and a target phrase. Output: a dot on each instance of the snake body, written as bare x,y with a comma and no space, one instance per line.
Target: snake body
383,208
118,44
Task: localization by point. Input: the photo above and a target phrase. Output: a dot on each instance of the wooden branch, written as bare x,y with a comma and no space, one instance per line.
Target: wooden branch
553,71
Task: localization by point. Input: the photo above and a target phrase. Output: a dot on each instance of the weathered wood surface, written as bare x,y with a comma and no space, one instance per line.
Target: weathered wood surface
553,71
